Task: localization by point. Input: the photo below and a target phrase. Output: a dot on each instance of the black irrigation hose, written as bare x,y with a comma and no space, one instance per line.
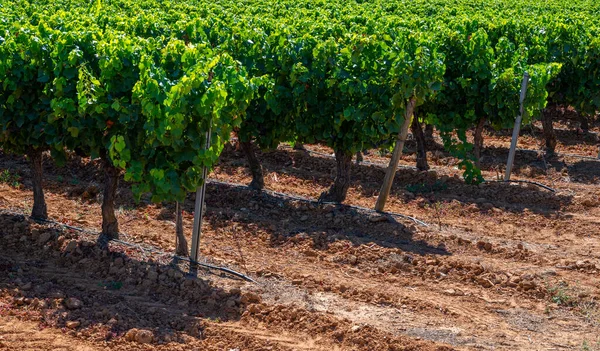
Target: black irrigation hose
304,199
524,182
141,248
366,163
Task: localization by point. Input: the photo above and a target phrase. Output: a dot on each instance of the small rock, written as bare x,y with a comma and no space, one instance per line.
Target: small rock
454,292
430,262
73,324
26,286
73,303
250,297
527,285
356,328
488,246
144,336
353,260
378,218
297,282
118,261
486,283
304,218
130,335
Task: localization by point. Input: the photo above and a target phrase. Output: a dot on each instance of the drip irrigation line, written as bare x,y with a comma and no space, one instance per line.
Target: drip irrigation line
366,163
149,249
524,182
316,202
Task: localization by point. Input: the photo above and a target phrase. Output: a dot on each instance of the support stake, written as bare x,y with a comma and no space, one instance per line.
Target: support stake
386,187
516,129
199,209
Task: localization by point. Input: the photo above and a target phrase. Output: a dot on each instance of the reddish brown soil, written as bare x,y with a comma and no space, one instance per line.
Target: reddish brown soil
500,267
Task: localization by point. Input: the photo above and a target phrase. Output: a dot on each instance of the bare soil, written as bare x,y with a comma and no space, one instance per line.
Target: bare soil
499,266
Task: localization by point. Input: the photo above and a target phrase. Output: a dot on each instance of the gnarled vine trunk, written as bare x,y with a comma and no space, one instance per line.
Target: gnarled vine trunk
549,133
39,210
478,141
181,246
583,120
258,180
339,189
419,136
429,134
110,225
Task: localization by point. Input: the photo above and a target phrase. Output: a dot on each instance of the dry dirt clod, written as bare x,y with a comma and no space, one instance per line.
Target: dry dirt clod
250,297
141,336
356,328
44,237
378,218
353,260
73,324
73,303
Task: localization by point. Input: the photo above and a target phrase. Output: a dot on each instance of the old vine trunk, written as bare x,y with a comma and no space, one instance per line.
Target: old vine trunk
181,248
339,189
110,225
39,202
478,141
419,136
258,180
549,133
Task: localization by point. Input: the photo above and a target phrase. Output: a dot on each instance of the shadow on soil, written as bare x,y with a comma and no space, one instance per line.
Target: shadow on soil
74,283
411,184
285,219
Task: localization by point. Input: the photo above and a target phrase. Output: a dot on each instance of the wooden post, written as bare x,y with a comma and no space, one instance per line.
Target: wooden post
386,187
199,209
516,129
